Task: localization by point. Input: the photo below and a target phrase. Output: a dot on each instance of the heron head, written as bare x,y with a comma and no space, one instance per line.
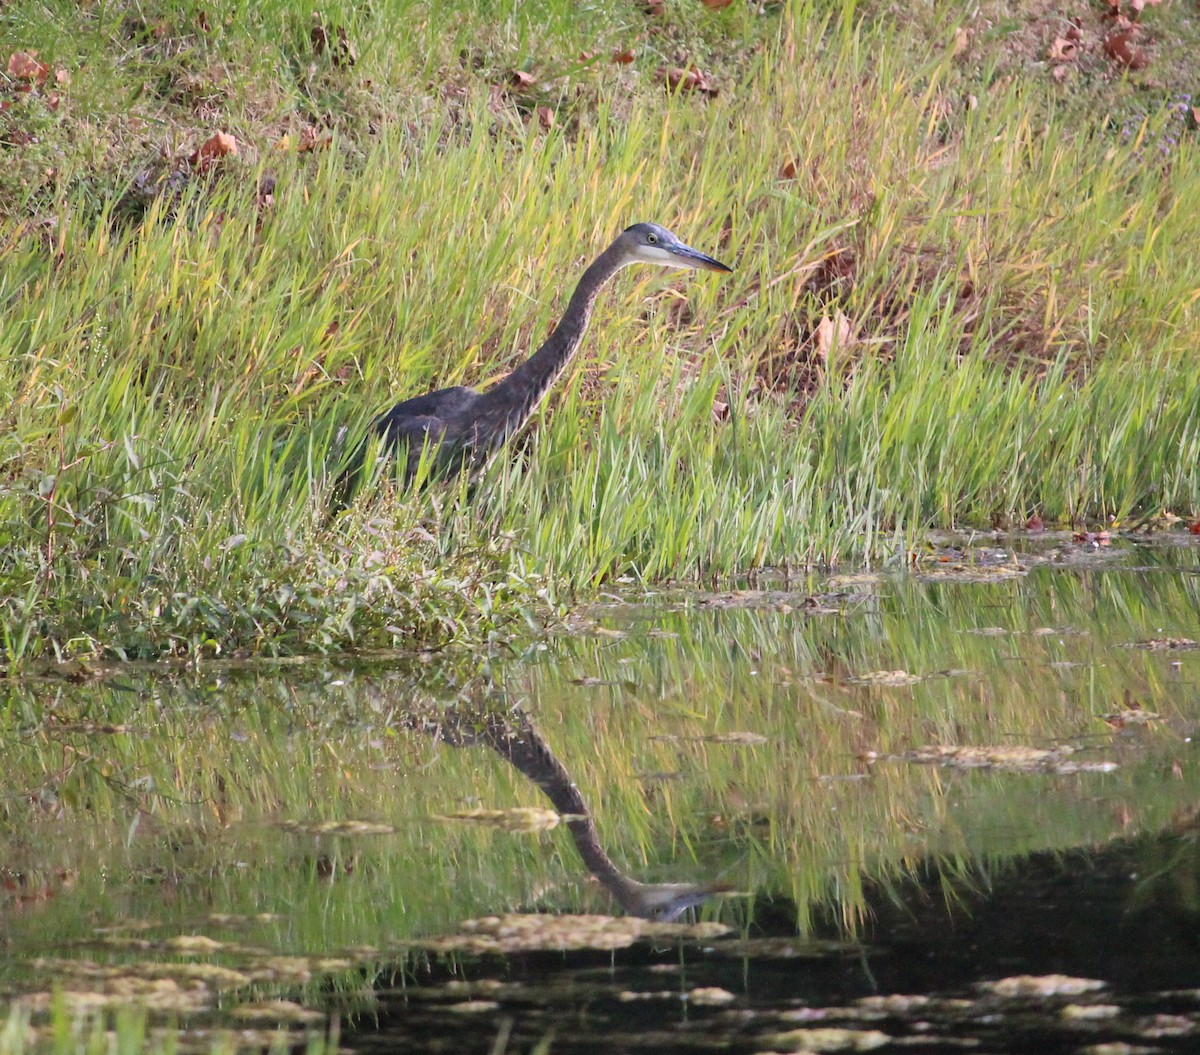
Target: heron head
651,244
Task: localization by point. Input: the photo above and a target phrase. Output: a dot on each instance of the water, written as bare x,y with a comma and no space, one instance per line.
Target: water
922,784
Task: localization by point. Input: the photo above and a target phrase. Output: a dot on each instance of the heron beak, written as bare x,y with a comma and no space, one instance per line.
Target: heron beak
701,261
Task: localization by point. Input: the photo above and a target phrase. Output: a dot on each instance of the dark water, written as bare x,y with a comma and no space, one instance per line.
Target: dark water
884,798
919,980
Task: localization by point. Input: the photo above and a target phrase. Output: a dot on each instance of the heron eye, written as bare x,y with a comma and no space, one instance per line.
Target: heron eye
652,239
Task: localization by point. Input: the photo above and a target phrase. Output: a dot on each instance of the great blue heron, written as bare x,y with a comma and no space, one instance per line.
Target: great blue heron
459,428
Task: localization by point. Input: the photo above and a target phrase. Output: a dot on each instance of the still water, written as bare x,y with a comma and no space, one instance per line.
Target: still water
950,807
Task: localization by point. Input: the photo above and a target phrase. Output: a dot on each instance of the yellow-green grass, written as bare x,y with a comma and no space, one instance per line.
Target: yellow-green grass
188,371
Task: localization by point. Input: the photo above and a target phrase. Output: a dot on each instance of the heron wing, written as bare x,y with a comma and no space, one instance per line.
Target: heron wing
437,419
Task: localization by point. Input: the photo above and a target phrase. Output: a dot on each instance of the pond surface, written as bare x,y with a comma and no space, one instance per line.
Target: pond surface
954,807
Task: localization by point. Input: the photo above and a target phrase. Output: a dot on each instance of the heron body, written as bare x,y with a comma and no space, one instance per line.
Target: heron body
461,428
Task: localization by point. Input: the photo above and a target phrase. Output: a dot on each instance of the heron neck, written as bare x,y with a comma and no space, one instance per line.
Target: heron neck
515,398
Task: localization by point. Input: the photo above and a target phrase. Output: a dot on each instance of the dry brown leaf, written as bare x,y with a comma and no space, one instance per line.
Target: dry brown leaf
311,139
1120,48
1063,50
623,57
545,117
691,79
217,146
345,54
521,79
341,49
788,170
25,66
836,332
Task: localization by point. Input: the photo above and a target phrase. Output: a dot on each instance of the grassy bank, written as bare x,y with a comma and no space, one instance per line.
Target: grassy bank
1007,263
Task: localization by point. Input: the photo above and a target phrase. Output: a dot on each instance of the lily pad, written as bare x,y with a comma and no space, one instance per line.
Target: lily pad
1015,758
536,932
1167,644
886,677
830,1038
1042,985
347,827
526,819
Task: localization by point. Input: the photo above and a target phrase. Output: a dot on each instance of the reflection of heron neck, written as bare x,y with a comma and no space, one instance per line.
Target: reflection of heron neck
529,753
507,405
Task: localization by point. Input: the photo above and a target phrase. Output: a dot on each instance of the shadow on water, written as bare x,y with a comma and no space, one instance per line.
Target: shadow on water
1055,953
950,809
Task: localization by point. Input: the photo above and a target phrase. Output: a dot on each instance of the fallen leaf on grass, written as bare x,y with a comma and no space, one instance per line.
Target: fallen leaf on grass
340,48
623,57
521,79
25,66
545,117
525,819
1063,50
1120,48
691,79
312,139
213,149
837,332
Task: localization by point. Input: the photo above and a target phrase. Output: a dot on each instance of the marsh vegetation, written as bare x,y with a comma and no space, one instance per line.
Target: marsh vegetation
259,760
965,295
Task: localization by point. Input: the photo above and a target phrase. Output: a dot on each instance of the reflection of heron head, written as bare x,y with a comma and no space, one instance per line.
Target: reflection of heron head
650,244
664,902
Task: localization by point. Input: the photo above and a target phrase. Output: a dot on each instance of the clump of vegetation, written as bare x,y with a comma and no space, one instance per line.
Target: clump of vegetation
965,294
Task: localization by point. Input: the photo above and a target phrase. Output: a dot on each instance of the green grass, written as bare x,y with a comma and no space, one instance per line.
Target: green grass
182,357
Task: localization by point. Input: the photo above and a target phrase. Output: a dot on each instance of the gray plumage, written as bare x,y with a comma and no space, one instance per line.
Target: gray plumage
463,428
